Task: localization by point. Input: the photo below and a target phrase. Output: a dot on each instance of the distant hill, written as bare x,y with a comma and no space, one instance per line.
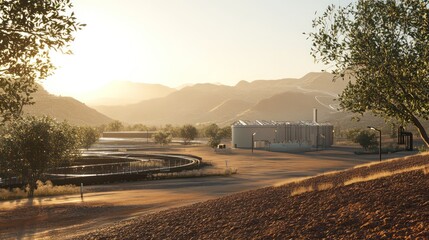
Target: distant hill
64,108
124,92
291,106
283,99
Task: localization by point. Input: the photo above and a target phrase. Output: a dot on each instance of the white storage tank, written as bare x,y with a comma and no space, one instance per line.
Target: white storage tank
312,134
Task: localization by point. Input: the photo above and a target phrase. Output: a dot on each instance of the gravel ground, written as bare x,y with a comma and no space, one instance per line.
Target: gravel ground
385,208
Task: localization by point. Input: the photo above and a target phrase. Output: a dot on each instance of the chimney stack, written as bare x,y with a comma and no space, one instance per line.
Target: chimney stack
314,115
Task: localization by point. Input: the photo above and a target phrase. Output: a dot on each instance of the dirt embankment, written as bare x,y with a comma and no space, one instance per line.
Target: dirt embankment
395,206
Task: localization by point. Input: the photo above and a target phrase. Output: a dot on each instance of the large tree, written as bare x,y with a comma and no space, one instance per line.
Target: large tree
216,134
384,46
29,30
29,147
188,133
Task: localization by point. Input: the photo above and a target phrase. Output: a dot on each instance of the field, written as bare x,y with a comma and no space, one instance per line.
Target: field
104,205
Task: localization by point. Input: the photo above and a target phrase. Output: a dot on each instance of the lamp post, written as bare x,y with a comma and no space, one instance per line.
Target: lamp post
379,147
275,140
253,135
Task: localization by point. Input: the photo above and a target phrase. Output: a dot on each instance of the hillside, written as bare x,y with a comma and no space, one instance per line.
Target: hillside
284,99
64,108
388,200
123,92
293,106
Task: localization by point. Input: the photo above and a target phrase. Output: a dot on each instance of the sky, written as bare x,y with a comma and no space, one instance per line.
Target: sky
180,42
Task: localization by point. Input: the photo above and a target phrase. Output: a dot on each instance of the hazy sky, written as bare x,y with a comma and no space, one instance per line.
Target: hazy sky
176,42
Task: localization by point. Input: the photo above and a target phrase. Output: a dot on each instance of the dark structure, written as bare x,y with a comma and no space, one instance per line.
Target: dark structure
405,138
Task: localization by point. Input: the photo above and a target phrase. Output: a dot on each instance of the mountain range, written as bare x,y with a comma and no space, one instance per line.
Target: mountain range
64,108
290,99
125,92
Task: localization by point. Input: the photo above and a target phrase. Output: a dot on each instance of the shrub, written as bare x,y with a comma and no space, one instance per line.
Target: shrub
366,139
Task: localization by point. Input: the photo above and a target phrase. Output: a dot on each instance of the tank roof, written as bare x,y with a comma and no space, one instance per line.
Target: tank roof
276,123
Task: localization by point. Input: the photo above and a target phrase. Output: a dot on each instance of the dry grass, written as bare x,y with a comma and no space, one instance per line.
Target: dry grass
383,174
291,180
389,160
15,193
47,189
43,189
373,176
301,190
324,186
304,189
426,170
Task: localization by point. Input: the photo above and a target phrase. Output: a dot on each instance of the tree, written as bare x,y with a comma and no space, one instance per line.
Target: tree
115,126
29,30
174,131
366,139
162,138
226,132
30,146
215,135
188,133
351,134
88,136
138,127
384,45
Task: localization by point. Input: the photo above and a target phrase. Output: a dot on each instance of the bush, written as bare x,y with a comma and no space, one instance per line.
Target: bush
366,139
43,189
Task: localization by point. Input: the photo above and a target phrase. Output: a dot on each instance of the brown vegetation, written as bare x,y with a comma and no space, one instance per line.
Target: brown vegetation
395,206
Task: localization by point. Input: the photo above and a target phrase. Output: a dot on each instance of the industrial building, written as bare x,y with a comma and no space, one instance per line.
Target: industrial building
282,135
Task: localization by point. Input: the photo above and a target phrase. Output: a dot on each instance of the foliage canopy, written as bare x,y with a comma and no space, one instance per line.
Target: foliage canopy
368,140
188,133
29,30
30,146
216,134
88,136
162,137
384,46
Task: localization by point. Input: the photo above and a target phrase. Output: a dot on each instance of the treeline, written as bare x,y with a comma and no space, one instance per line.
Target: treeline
164,134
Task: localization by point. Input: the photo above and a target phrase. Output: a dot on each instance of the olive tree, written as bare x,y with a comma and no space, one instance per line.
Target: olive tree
32,145
384,46
29,30
88,136
162,137
215,134
188,133
115,126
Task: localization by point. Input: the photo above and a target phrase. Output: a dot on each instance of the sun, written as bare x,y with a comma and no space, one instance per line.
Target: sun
98,58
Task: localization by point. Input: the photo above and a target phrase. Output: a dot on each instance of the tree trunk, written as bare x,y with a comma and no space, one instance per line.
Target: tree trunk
32,186
421,129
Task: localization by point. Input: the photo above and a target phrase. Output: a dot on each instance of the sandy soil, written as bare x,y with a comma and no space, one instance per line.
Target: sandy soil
69,216
393,207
